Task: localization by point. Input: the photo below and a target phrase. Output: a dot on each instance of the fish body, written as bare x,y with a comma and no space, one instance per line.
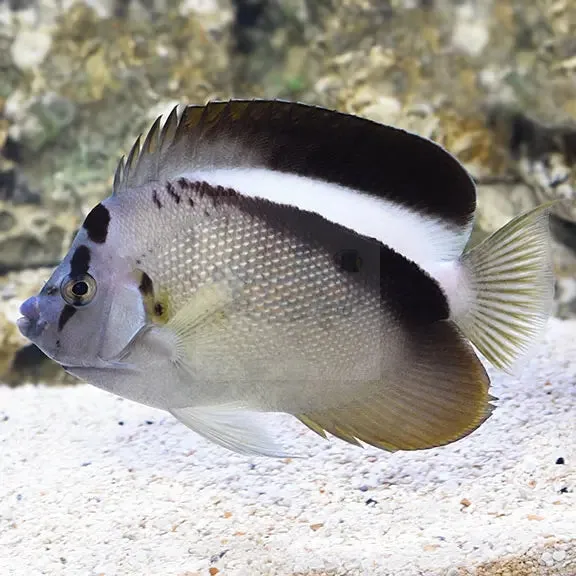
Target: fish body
268,256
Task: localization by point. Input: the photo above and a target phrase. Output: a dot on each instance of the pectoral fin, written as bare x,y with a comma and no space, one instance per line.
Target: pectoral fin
439,395
202,317
233,428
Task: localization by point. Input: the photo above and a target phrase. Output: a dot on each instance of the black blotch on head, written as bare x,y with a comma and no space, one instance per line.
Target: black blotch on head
80,261
96,224
65,315
158,309
172,192
155,199
348,260
146,287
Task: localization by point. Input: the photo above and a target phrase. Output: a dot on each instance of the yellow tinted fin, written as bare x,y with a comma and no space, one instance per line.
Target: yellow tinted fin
186,328
207,306
511,280
204,315
439,395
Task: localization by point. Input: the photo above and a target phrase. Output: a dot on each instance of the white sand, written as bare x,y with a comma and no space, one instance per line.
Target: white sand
81,494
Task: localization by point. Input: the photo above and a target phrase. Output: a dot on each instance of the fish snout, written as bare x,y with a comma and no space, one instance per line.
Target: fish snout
29,324
30,309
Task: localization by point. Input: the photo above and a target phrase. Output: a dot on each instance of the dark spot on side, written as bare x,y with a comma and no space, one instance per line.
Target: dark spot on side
191,202
80,261
65,315
146,287
138,261
58,344
155,199
348,260
172,191
215,193
158,309
560,460
206,213
96,224
184,183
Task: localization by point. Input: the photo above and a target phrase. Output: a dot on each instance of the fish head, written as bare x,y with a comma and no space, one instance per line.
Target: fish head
90,308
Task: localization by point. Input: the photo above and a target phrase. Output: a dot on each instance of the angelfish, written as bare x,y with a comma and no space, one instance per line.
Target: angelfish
269,256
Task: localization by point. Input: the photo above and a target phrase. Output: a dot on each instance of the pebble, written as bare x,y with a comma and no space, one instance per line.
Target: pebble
559,555
30,47
547,558
470,34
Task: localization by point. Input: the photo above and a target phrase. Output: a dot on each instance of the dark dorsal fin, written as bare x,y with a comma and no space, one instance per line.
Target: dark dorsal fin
309,141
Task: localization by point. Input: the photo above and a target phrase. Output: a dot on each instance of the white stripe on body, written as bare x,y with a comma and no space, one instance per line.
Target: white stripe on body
421,238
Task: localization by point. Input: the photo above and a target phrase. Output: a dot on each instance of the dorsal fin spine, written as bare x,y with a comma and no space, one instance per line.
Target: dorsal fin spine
148,153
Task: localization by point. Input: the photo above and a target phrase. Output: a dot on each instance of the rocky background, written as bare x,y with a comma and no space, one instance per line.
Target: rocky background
491,80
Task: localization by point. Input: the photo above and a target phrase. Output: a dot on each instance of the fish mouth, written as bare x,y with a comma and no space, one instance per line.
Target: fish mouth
24,325
30,329
30,324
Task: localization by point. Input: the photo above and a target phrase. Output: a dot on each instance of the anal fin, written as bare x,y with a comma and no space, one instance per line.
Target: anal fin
233,428
438,395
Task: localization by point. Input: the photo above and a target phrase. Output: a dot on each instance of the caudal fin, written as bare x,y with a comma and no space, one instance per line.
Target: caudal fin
511,283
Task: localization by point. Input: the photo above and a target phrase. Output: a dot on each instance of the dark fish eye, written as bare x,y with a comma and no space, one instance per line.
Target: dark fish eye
78,290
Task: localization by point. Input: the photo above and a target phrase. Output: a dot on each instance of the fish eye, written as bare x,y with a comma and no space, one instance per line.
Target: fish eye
78,291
